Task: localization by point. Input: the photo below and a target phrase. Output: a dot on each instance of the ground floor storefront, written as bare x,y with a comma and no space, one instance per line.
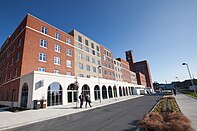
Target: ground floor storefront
55,89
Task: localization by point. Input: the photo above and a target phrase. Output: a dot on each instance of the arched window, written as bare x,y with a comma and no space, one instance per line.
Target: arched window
115,91
96,92
110,92
54,96
24,96
120,91
104,92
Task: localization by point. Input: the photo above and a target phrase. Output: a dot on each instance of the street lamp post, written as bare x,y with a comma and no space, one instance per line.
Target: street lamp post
190,76
76,84
99,82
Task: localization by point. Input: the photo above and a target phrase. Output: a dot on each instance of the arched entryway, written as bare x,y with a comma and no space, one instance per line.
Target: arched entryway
126,91
104,92
120,91
96,92
71,93
24,96
115,91
123,91
54,95
86,90
110,92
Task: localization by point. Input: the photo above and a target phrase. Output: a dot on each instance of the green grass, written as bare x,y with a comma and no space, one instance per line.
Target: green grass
189,93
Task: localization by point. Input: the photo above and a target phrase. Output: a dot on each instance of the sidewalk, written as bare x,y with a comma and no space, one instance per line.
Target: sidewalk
188,107
10,120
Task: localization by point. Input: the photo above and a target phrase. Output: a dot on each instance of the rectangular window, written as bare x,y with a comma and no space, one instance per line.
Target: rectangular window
68,73
19,42
44,30
105,72
86,42
56,71
57,36
97,48
68,52
93,52
43,43
99,62
87,58
57,48
16,72
99,70
68,41
92,45
68,63
79,38
88,76
18,56
87,67
80,56
94,69
13,49
87,49
56,60
41,69
81,75
98,54
80,66
79,45
104,57
12,62
42,57
93,60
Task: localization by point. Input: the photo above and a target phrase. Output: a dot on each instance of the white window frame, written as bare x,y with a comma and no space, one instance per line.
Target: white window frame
94,69
43,57
68,41
80,56
41,69
56,71
57,36
57,61
44,30
57,48
68,63
87,58
69,52
43,43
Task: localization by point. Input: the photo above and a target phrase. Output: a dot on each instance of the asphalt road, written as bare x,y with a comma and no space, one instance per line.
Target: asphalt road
122,116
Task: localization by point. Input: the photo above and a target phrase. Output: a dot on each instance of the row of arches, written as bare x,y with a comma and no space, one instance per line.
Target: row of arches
55,93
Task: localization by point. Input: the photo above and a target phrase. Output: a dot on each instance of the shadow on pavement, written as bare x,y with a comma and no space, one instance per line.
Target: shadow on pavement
134,125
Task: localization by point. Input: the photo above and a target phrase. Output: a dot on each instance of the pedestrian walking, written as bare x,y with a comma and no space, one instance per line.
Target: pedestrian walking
88,101
174,91
81,100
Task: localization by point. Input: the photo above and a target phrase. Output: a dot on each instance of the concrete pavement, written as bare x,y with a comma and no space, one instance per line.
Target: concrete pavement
10,120
188,107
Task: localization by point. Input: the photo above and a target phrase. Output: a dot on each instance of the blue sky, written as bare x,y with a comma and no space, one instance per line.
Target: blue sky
162,31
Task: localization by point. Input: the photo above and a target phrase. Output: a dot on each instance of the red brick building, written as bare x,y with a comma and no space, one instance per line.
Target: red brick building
34,45
141,79
141,66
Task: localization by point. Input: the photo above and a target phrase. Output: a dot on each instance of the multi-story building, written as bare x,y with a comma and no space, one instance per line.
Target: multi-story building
141,79
126,75
39,61
141,66
107,63
133,77
87,56
118,70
